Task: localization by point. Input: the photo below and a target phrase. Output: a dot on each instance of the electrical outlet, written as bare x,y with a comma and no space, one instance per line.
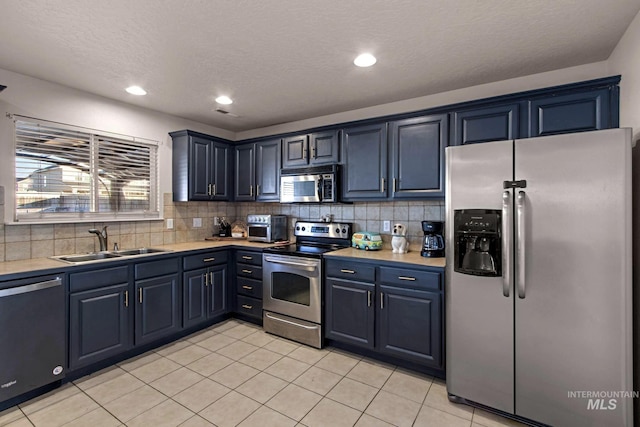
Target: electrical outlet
197,222
216,220
386,226
169,223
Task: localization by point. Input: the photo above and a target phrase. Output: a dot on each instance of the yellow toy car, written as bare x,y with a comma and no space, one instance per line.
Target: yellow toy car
367,241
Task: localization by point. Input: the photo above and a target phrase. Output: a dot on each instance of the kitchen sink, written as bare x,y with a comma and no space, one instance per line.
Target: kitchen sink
87,257
139,251
103,256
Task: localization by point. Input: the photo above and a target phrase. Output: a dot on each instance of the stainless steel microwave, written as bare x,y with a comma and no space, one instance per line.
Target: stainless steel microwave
309,185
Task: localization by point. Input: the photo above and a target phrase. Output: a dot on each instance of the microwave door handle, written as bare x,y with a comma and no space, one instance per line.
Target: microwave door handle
320,188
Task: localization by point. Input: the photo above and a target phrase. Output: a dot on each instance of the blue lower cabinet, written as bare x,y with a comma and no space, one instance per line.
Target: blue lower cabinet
99,322
398,315
350,312
409,325
158,308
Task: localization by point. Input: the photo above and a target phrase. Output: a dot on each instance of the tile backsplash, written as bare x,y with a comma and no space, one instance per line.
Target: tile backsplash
36,241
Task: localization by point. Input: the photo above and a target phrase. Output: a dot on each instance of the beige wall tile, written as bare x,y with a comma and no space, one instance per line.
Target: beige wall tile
64,231
181,236
127,227
143,227
142,240
156,226
156,239
42,232
41,248
17,233
64,246
87,244
127,241
17,250
2,227
2,252
169,237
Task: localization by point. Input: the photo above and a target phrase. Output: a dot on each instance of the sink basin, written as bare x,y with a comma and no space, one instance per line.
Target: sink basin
101,256
87,257
139,251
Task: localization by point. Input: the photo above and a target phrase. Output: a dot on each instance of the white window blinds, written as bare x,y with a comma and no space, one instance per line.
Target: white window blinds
69,172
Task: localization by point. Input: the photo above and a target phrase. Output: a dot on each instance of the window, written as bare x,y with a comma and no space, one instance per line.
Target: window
67,172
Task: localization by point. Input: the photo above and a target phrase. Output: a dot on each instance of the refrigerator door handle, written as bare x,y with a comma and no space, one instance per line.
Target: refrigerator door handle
521,236
507,221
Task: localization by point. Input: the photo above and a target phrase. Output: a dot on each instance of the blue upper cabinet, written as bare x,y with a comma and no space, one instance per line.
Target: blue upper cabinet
364,153
201,167
417,156
268,155
245,178
484,124
310,150
573,112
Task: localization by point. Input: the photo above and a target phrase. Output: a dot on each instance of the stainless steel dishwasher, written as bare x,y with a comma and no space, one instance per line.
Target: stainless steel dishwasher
32,334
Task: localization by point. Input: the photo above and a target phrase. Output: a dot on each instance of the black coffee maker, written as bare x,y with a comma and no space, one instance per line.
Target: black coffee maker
433,243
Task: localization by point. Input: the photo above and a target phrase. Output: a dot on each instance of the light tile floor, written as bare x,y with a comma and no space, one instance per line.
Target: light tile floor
235,374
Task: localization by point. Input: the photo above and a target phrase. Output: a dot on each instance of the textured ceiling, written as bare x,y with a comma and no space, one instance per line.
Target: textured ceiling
287,60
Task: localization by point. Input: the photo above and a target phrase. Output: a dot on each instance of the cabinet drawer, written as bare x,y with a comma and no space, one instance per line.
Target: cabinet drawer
351,271
250,271
413,278
161,267
249,306
205,259
98,278
249,287
247,257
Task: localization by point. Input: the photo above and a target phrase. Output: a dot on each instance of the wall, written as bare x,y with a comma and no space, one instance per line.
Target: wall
535,81
625,60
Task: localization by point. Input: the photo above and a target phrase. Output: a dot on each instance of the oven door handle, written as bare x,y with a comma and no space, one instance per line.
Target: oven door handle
290,322
301,265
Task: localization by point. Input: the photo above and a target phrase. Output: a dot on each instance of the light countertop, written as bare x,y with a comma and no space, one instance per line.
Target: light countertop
412,257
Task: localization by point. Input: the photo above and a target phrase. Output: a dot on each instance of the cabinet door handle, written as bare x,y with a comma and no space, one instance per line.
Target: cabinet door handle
411,279
211,278
208,259
126,298
381,301
395,185
251,191
344,270
314,153
140,295
382,181
258,190
368,298
209,190
247,306
304,153
247,271
247,257
213,192
247,287
206,279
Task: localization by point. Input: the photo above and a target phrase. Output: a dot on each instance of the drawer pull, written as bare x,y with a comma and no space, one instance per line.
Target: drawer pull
208,259
411,279
140,295
247,306
344,270
247,271
247,257
247,287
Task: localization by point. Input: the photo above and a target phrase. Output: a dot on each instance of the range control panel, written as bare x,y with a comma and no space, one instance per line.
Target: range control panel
323,229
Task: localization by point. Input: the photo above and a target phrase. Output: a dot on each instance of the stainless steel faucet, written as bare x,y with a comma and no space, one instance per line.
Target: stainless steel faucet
102,237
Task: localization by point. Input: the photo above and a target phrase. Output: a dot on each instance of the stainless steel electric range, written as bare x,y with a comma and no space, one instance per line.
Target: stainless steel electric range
292,281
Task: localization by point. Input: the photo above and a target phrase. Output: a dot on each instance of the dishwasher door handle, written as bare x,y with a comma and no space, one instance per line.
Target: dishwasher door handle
31,288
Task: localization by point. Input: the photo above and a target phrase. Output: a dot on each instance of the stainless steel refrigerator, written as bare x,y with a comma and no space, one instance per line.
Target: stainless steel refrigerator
538,293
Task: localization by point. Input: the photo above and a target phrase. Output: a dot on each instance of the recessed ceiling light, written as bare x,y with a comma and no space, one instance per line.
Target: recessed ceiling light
224,100
365,60
136,90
